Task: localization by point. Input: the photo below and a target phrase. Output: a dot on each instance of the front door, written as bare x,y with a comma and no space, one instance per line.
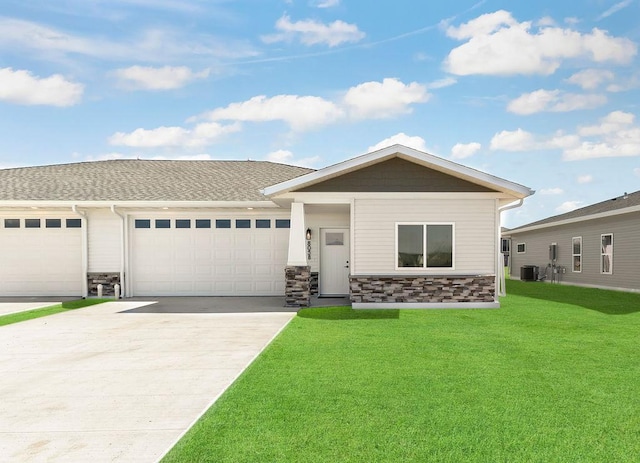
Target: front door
334,261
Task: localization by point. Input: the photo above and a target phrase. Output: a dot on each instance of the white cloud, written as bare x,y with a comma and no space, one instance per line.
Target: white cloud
590,79
310,32
441,83
551,191
497,44
584,179
553,101
201,135
280,156
384,99
161,78
401,138
327,3
615,136
516,140
568,206
464,150
21,87
147,45
287,157
636,171
612,122
300,112
615,8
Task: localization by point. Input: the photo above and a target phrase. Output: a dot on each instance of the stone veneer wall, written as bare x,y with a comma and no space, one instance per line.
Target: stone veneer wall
107,279
422,289
314,283
298,286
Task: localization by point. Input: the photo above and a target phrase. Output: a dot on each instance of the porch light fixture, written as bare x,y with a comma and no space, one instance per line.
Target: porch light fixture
308,234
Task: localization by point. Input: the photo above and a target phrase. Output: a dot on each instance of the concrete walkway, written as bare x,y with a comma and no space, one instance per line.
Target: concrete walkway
99,385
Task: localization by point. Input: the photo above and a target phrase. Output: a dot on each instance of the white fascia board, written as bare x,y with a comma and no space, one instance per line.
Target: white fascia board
602,215
345,198
406,153
141,204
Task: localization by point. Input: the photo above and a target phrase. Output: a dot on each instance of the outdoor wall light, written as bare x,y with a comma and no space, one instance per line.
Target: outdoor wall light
308,234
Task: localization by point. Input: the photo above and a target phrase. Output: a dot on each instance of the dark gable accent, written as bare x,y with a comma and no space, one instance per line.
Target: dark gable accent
396,175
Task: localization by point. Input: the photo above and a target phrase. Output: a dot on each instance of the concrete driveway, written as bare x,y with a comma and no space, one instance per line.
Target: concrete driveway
102,385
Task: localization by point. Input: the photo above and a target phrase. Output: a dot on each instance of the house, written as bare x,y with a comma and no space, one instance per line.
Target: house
595,246
394,227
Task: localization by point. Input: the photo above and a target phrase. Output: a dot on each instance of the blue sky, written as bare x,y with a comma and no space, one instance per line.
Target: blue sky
542,93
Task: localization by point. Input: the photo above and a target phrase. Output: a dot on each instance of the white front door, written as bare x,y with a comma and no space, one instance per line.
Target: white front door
334,261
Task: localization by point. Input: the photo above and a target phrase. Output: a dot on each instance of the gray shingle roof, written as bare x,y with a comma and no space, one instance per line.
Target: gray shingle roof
145,180
613,204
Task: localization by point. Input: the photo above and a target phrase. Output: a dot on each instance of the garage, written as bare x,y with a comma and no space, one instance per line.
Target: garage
40,255
230,255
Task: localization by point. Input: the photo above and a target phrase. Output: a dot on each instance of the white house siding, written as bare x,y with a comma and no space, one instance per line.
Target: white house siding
626,251
104,237
375,227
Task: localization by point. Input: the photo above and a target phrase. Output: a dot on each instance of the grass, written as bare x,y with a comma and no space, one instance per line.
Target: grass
50,310
552,376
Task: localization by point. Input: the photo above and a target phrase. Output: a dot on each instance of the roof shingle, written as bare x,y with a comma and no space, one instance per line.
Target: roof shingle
145,180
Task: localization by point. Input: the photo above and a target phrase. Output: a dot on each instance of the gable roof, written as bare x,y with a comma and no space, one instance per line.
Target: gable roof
145,180
400,151
629,202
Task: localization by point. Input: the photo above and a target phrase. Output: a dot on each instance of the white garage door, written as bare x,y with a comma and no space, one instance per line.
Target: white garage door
208,256
40,256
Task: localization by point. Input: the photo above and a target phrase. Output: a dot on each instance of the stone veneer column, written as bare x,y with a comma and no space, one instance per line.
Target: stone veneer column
298,285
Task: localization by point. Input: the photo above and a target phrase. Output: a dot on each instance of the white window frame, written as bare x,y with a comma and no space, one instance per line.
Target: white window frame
574,254
518,250
424,247
603,254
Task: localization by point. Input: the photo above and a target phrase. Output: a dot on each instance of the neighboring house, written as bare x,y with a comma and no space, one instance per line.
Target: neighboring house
395,227
597,245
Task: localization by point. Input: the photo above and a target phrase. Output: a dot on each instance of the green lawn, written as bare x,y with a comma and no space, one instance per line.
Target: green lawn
50,310
552,376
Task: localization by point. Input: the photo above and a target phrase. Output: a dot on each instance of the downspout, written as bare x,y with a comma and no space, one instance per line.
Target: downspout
123,249
502,287
85,249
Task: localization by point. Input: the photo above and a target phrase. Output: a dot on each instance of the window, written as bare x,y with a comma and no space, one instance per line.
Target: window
223,223
606,253
32,223
521,248
263,223
74,223
203,223
143,223
576,252
506,245
163,223
243,223
53,223
11,223
414,239
283,223
183,223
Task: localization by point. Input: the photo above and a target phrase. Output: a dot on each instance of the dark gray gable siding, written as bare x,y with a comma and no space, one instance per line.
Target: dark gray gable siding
626,250
145,180
395,175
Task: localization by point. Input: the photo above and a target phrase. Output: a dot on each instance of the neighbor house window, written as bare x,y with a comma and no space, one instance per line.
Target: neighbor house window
521,248
32,223
425,245
506,245
11,223
576,252
606,253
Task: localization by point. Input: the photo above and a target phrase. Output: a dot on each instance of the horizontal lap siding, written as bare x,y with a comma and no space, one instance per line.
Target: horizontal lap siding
626,251
375,222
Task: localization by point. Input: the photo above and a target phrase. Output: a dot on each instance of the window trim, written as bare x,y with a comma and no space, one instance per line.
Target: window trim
602,254
424,247
574,255
524,247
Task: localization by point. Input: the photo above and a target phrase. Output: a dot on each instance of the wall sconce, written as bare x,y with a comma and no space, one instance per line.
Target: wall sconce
308,234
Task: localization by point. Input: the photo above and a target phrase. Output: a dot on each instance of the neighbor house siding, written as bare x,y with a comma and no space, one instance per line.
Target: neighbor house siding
626,251
375,233
104,235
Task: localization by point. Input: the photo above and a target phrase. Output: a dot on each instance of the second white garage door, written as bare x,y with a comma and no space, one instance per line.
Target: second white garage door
208,256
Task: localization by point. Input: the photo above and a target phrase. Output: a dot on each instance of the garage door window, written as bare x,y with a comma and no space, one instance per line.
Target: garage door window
32,223
223,223
263,223
11,223
183,223
143,223
203,223
283,223
74,223
53,223
163,223
243,223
